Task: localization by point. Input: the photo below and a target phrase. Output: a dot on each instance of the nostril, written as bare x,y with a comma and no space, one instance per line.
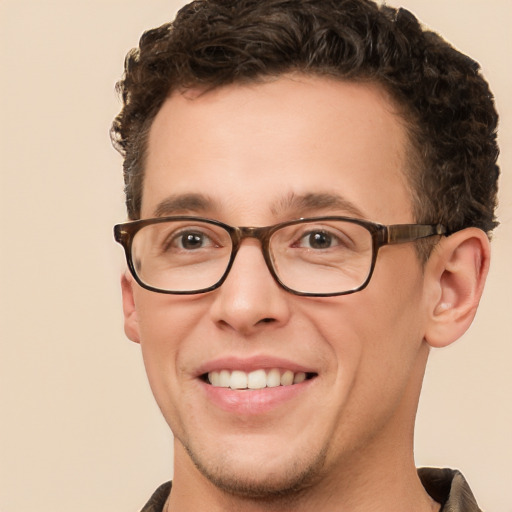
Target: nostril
267,320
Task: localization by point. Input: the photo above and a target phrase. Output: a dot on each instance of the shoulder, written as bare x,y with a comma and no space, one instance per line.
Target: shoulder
159,497
450,488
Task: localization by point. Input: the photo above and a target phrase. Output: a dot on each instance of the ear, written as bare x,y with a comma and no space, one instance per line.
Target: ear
131,322
456,273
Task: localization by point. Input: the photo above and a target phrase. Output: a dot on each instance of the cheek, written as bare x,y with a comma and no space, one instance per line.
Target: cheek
165,322
155,316
392,320
375,335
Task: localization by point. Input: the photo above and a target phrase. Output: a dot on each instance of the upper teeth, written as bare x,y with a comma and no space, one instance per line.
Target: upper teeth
258,379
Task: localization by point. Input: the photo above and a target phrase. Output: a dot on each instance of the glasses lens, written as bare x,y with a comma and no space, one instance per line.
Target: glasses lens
181,256
322,257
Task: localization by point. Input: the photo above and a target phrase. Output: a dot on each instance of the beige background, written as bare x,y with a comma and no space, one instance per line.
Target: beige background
78,427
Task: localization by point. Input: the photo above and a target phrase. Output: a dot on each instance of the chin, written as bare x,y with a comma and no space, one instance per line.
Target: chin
253,479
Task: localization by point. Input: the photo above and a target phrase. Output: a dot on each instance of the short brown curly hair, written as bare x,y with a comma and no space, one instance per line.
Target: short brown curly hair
446,103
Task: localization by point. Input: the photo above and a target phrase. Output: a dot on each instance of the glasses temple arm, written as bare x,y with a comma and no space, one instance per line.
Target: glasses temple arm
401,233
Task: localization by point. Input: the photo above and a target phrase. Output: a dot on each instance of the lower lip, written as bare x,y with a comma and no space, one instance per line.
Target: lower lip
253,401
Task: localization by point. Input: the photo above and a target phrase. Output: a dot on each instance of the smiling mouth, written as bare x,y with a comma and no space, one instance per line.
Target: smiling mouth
257,379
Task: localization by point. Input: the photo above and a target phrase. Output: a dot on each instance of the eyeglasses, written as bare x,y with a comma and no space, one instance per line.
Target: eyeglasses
315,257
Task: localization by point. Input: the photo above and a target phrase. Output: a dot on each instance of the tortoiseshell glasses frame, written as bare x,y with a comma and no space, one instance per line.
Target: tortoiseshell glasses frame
295,252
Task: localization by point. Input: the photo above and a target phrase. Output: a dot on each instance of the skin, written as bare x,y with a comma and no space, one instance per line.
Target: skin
340,440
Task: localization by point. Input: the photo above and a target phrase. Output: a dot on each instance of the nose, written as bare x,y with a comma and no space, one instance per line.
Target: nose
250,300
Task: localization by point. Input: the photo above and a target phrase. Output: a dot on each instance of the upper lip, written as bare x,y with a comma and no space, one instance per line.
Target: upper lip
265,362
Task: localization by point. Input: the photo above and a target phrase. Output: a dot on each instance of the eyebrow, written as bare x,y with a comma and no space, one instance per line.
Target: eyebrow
185,203
309,203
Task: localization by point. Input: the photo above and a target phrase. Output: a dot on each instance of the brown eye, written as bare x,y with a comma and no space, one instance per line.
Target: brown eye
191,241
319,240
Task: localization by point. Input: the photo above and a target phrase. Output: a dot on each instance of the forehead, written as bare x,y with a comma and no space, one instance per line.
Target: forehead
249,148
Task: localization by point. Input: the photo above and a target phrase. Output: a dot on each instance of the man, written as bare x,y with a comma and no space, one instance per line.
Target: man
311,186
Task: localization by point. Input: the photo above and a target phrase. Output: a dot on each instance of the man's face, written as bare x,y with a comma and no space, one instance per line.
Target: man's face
257,155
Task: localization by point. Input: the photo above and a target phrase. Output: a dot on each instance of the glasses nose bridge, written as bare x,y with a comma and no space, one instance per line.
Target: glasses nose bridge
262,234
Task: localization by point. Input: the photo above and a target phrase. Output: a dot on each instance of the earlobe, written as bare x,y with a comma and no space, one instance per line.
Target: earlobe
457,270
131,323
